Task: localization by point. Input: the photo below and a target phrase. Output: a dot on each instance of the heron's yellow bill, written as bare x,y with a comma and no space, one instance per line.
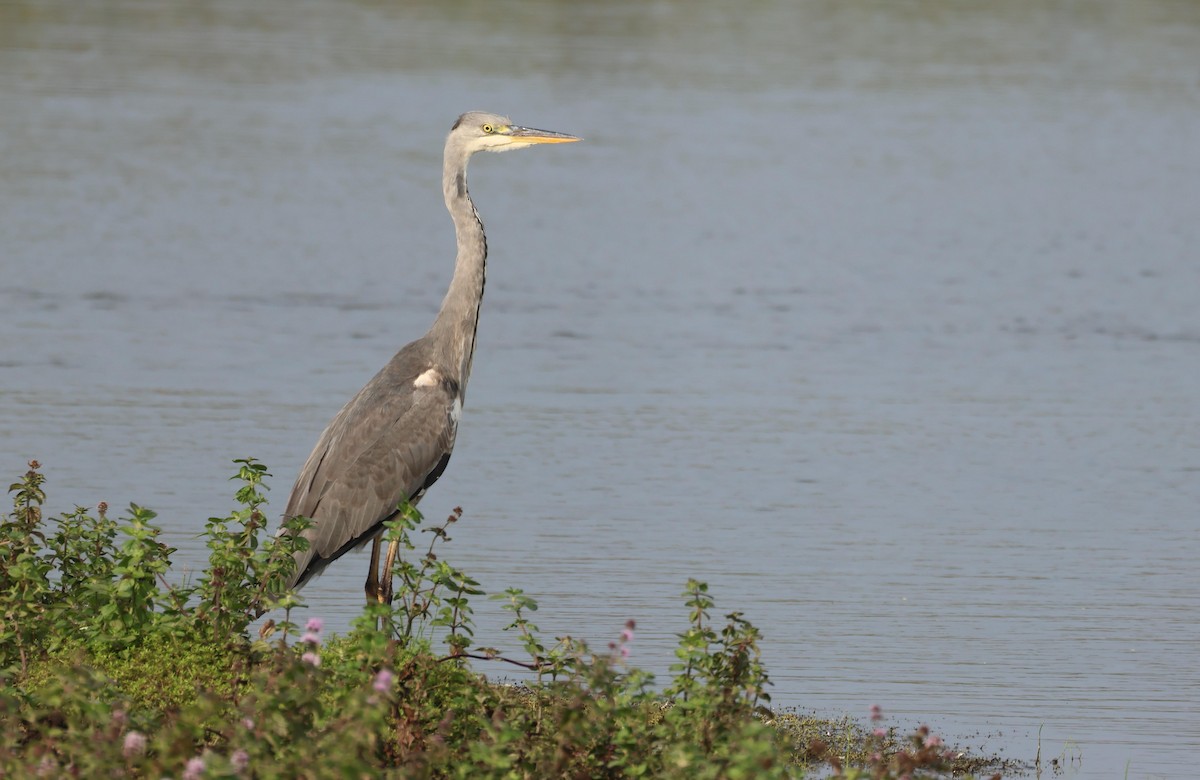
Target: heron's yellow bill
530,135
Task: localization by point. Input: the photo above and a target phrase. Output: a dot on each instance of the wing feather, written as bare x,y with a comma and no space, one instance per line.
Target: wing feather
383,446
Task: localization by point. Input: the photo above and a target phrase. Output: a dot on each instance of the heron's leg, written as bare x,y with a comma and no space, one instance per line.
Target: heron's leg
385,590
372,586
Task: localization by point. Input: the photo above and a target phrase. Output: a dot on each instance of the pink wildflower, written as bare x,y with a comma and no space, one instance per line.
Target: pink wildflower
933,740
311,658
240,760
624,651
880,733
383,681
876,712
314,625
194,769
135,744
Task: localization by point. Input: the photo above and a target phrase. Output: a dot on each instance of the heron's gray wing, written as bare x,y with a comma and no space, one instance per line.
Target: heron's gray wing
390,442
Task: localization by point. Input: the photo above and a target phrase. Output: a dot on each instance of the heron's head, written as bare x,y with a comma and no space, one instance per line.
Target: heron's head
479,131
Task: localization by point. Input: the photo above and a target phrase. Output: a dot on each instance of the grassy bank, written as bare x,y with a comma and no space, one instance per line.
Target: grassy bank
110,670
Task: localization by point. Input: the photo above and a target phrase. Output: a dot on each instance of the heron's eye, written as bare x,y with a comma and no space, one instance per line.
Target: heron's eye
488,129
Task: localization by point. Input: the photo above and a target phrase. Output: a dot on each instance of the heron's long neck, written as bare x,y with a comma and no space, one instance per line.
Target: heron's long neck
454,329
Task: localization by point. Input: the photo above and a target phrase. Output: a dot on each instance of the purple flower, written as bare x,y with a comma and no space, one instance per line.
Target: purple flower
311,638
314,625
627,635
240,760
194,769
383,681
135,744
876,712
311,658
880,733
933,740
624,651
248,722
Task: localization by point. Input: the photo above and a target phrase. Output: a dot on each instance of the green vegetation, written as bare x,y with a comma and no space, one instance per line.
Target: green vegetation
110,670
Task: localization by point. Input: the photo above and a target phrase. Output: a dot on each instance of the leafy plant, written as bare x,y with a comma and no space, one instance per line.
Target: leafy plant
246,573
431,593
24,573
111,670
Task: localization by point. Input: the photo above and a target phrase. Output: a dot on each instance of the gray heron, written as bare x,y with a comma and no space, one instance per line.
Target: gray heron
393,439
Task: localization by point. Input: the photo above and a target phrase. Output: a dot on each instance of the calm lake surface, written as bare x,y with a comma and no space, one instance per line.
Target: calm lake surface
882,318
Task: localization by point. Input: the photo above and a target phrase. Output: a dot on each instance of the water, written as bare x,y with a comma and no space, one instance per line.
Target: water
878,317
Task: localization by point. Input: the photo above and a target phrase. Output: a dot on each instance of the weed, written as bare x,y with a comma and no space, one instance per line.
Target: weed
109,669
